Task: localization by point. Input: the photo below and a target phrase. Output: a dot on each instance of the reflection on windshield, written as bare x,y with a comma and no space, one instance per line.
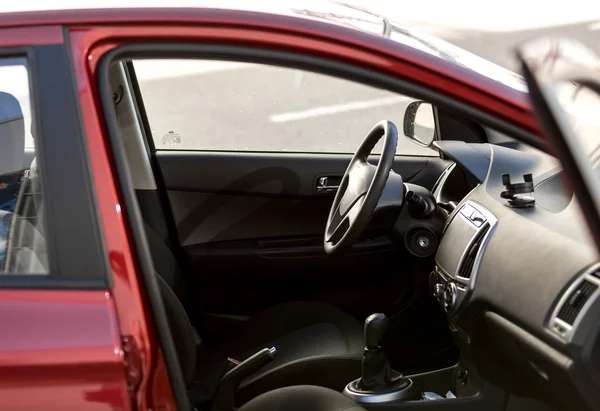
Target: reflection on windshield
582,108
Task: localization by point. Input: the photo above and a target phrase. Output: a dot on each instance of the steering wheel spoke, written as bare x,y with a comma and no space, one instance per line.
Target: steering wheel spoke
357,184
343,220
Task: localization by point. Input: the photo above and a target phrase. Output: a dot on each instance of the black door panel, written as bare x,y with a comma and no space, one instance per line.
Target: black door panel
252,227
218,196
272,174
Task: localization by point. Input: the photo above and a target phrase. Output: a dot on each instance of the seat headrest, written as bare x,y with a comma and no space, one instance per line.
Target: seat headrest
12,135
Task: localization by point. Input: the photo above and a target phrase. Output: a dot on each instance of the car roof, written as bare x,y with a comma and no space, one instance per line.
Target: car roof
71,11
333,12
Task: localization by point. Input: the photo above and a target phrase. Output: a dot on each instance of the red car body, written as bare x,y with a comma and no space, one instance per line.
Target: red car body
98,349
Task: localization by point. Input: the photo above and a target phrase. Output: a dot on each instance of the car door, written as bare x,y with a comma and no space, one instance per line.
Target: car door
564,83
60,345
251,155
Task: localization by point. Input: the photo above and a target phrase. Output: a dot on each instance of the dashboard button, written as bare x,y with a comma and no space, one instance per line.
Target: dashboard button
477,218
467,211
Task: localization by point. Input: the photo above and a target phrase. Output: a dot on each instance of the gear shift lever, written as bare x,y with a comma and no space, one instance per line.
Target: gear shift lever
378,380
375,366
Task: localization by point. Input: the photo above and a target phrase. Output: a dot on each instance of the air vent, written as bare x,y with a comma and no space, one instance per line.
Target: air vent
468,262
576,300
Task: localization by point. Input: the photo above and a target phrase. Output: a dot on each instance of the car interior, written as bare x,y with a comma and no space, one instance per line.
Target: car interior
333,281
21,224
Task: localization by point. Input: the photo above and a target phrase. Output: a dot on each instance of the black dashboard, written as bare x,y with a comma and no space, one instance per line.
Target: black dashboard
520,284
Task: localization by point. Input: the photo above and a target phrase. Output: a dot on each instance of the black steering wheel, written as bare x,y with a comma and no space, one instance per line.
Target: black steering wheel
360,189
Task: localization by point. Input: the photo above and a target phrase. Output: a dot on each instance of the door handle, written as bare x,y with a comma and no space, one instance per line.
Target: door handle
328,185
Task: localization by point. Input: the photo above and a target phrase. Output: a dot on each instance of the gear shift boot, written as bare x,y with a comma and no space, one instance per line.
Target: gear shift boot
379,383
404,390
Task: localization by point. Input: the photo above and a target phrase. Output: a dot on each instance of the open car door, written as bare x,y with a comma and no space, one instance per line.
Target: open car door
564,84
563,78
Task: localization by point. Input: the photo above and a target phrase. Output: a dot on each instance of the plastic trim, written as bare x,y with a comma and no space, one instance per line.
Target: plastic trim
562,329
405,393
492,221
456,287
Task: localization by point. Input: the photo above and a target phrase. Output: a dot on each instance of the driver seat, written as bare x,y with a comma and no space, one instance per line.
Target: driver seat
302,398
317,344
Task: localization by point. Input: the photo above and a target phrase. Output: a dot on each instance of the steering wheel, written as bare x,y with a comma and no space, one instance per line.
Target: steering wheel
360,189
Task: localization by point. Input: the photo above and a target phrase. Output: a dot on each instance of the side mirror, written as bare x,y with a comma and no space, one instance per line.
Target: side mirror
419,123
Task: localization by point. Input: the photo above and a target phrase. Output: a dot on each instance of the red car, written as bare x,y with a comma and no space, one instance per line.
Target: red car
191,216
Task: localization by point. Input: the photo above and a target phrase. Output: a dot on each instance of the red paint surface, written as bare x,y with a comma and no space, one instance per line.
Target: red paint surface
26,36
134,315
60,348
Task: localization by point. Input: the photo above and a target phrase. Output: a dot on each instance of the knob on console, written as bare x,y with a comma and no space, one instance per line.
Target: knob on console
450,296
438,290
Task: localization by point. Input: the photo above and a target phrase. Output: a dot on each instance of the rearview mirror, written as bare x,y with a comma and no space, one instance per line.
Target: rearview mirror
419,123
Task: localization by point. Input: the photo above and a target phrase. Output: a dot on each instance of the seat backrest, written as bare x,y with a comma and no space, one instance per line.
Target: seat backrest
165,263
12,135
171,285
12,150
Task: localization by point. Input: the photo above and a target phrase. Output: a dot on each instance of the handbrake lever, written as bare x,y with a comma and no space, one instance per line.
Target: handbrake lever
224,399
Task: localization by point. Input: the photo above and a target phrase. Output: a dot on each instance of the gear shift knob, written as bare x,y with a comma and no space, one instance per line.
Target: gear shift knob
378,380
375,325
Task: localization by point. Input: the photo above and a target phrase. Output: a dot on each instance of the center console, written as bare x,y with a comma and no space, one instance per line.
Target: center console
457,262
382,388
465,237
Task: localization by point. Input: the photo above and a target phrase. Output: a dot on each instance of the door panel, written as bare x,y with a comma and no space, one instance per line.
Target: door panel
257,220
232,196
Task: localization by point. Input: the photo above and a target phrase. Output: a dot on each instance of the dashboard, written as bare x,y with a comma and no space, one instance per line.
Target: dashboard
518,275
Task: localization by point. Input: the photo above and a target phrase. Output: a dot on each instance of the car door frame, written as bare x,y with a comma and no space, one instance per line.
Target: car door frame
407,70
62,343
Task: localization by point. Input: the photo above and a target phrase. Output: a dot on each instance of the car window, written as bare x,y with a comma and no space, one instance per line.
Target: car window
22,243
231,106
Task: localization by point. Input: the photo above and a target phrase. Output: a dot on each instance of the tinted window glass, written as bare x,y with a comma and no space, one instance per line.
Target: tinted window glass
22,242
